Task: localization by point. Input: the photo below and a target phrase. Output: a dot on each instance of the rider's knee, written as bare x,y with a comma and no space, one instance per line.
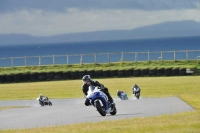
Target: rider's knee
87,102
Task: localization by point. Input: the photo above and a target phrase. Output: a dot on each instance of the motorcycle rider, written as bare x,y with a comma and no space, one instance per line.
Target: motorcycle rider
87,81
136,87
119,93
41,97
122,95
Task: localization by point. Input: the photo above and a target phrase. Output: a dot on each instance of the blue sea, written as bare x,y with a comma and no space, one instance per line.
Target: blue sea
70,53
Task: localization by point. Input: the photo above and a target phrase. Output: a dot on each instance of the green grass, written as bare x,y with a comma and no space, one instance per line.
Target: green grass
125,65
151,87
186,87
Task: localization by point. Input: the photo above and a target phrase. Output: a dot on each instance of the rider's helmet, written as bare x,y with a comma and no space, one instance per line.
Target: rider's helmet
40,95
86,79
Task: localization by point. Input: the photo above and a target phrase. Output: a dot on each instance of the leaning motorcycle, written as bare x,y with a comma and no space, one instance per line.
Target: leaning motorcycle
100,101
123,96
44,101
136,91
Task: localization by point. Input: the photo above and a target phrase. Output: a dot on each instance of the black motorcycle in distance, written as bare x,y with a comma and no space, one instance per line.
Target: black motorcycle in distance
136,92
44,101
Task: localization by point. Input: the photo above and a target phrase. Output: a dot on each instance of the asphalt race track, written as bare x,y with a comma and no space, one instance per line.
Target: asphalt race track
72,111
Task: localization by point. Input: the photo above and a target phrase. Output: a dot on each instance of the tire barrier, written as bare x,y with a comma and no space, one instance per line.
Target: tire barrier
98,73
196,72
189,71
49,76
25,77
182,71
160,71
144,71
58,75
9,78
82,73
175,71
113,73
41,76
2,78
66,75
106,73
17,77
168,71
91,73
74,74
121,73
34,77
136,72
152,71
129,72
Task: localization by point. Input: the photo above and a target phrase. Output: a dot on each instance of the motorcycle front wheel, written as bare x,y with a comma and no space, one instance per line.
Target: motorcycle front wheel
100,109
41,103
50,104
137,95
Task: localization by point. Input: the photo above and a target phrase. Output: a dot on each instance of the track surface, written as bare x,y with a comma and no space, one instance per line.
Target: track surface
72,111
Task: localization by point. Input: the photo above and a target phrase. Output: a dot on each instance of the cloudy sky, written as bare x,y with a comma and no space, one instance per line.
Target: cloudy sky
52,17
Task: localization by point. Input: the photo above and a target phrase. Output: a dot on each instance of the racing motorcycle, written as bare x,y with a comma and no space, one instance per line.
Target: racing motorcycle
44,101
100,101
136,91
123,96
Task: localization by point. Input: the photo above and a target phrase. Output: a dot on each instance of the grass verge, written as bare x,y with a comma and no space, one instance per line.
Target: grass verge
103,66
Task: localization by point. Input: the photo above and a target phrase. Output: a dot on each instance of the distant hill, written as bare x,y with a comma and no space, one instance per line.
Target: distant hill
164,30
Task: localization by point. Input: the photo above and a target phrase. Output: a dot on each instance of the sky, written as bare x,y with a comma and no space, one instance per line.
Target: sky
53,17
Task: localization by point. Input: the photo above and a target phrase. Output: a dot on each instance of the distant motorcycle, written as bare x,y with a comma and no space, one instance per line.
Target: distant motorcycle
44,101
100,101
123,95
136,91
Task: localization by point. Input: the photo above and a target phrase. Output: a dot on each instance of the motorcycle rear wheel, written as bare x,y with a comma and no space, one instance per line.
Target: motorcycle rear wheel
50,104
114,111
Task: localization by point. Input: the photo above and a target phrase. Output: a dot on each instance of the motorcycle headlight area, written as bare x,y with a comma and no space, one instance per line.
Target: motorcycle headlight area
96,93
90,95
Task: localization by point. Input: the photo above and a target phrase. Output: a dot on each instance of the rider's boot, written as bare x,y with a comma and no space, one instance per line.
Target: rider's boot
111,100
